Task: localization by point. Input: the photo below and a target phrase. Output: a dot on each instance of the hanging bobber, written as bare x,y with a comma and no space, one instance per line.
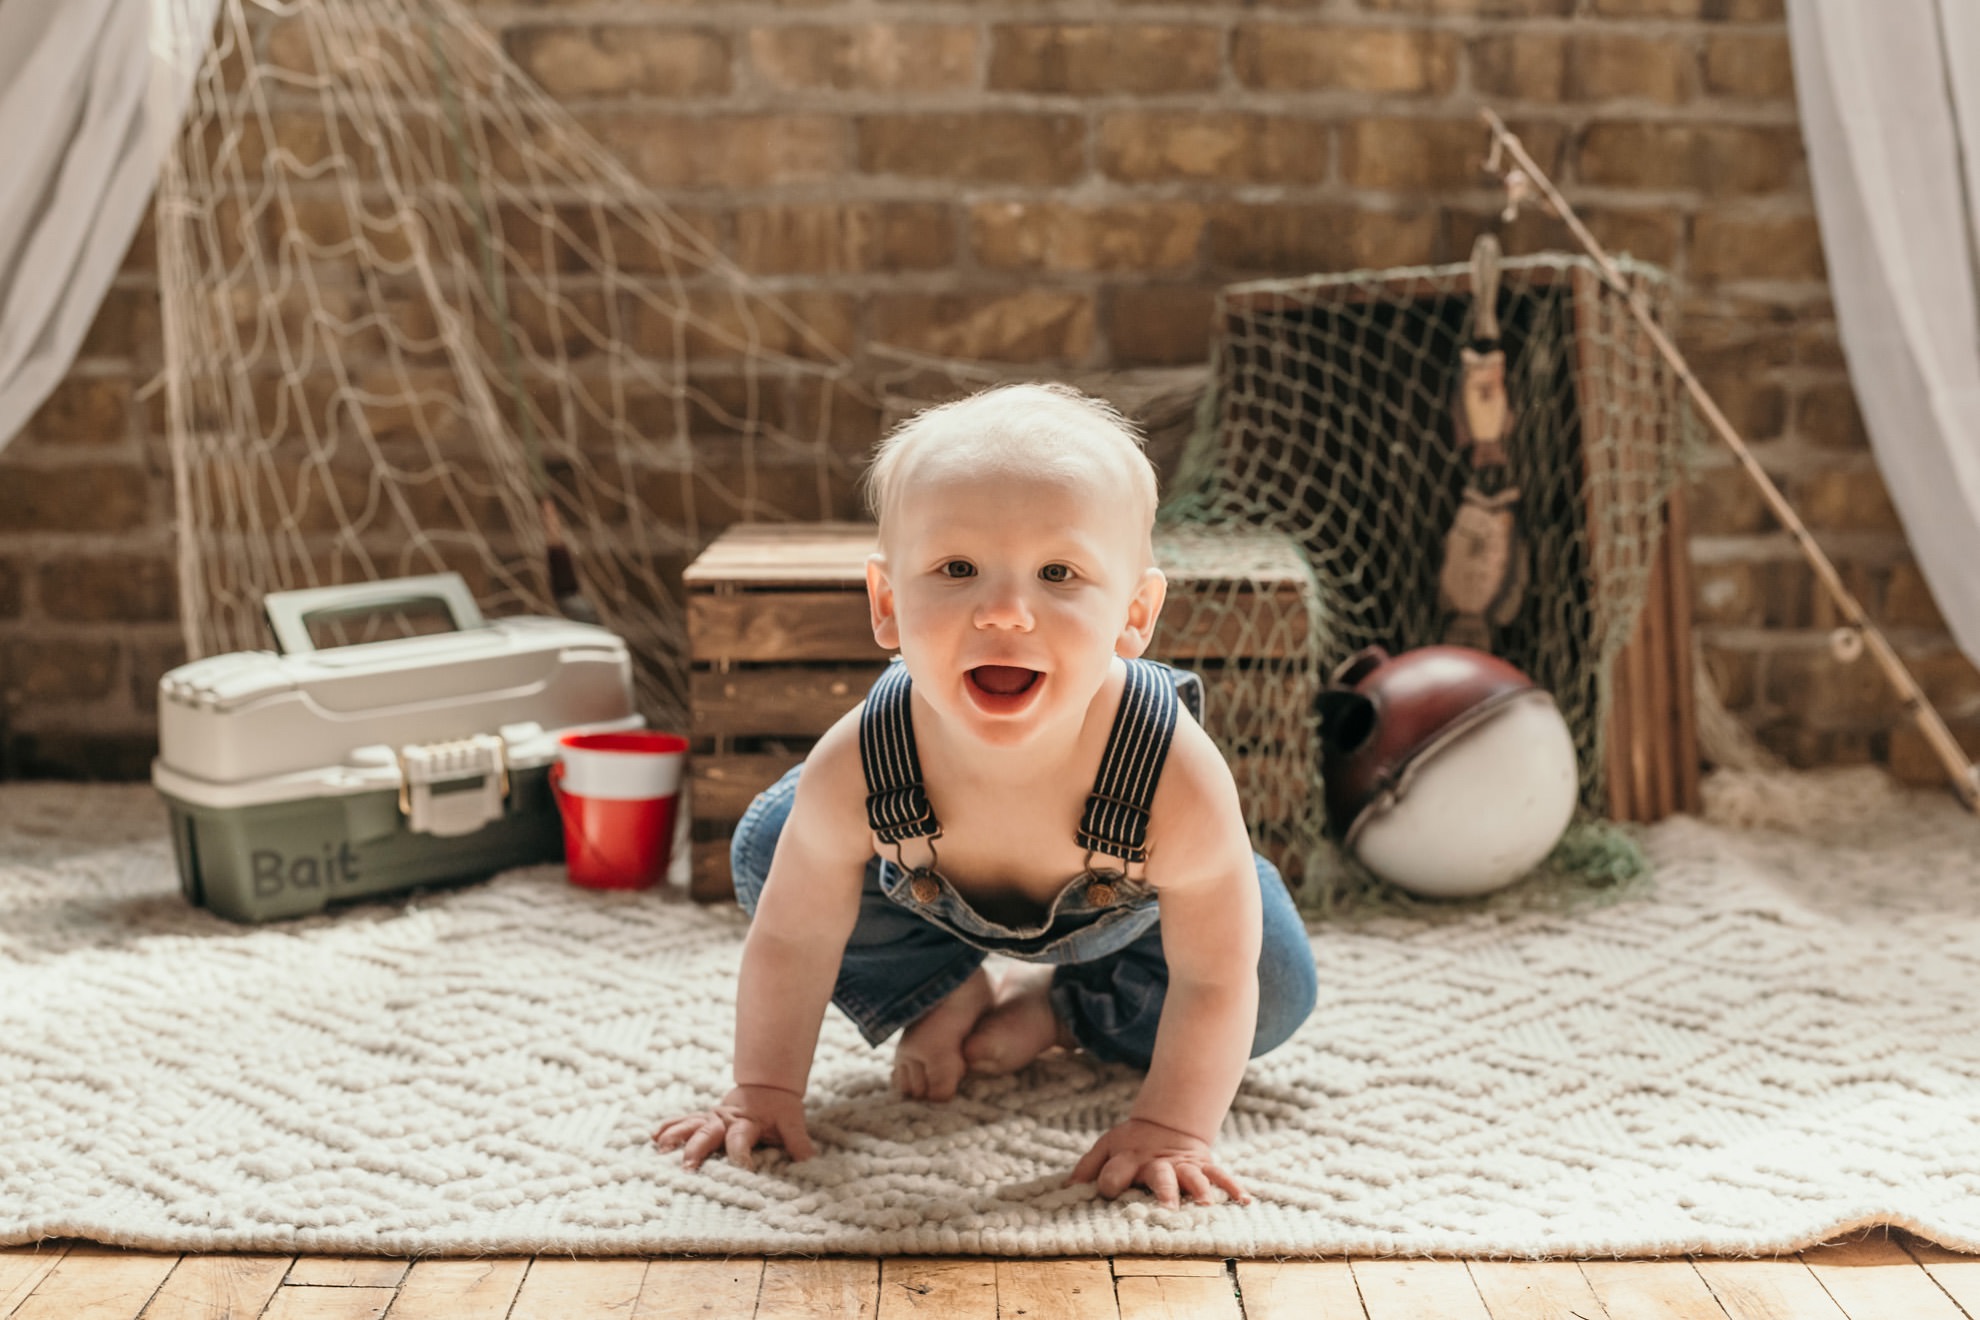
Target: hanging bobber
1448,772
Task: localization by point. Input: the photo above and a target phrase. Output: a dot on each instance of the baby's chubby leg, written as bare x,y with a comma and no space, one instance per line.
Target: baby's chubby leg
1020,1025
928,1062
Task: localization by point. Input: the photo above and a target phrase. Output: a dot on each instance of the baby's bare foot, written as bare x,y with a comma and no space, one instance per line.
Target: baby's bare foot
1019,1028
928,1063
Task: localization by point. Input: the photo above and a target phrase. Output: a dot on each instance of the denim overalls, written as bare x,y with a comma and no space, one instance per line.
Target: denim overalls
917,939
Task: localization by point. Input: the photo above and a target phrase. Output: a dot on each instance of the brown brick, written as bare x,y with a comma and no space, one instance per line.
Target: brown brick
1823,692
1735,247
623,59
739,151
877,57
151,661
1086,59
1949,679
82,498
1733,674
1287,240
1844,500
45,669
573,238
832,237
1755,405
1168,145
1386,61
1913,759
1413,153
84,410
1819,345
1908,601
1723,501
718,325
1146,236
1723,592
130,324
1479,8
1719,11
1714,159
10,590
1615,67
1159,325
993,147
1826,415
1525,66
722,491
1751,66
1036,325
122,589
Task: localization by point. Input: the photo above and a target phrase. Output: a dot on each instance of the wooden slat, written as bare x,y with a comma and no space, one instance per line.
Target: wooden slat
1874,1278
97,1283
830,1288
309,1301
1056,1290
938,1288
1177,1266
776,699
218,1288
459,1289
1533,1289
1414,1289
1651,1290
1299,1290
699,1289
1772,1289
789,625
1176,1297
556,1289
1959,1275
1677,552
763,556
23,1268
349,1271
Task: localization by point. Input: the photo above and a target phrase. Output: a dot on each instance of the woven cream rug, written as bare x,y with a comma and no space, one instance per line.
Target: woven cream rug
1778,1044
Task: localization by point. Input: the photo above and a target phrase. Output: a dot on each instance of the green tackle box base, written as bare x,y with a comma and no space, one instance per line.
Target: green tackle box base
293,859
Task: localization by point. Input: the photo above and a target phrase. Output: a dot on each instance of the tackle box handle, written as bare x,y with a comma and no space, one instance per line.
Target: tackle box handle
289,612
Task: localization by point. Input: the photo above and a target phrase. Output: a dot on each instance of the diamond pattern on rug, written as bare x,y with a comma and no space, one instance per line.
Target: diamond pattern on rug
1778,1043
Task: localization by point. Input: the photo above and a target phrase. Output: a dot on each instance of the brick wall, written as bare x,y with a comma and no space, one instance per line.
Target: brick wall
1066,183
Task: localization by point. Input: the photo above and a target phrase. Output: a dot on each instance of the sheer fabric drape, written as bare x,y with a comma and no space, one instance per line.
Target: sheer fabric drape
1890,108
91,95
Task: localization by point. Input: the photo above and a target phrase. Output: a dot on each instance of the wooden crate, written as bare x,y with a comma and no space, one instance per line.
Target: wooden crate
781,647
1613,391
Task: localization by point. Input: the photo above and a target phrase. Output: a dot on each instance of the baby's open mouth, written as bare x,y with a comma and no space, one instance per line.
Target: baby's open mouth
1004,680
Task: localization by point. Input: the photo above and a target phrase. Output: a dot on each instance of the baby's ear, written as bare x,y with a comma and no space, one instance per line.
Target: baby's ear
880,602
1143,610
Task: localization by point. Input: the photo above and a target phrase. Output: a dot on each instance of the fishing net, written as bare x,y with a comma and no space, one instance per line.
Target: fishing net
418,320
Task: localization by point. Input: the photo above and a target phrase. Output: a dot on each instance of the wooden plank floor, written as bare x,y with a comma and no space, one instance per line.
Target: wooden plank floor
1877,1276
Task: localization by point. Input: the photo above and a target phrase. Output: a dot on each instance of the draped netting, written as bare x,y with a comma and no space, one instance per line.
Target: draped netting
409,305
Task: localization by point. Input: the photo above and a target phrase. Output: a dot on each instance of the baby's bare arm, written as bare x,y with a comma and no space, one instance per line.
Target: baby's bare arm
1211,932
791,956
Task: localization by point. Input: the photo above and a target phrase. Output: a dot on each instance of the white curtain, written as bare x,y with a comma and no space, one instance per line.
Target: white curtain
91,95
1890,108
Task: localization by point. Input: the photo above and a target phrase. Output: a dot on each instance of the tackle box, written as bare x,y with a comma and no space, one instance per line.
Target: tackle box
317,774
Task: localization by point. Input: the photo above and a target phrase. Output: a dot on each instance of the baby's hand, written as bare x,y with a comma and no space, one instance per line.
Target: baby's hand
748,1117
1163,1160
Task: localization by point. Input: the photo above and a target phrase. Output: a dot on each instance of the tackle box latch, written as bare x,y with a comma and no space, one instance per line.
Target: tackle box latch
450,788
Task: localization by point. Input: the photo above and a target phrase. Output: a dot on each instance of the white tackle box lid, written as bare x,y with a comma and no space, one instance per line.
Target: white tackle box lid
253,727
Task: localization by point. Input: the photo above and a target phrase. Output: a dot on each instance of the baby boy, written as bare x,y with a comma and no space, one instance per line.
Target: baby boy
1020,782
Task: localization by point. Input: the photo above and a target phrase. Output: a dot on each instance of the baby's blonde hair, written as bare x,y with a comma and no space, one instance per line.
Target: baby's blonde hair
1032,425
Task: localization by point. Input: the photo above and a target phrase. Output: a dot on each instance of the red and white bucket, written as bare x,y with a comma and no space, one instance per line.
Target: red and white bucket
619,795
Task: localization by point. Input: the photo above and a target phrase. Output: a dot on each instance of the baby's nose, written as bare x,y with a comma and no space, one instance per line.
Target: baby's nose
1003,609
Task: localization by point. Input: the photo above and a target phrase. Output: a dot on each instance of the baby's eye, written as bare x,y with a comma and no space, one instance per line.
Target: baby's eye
1056,573
959,568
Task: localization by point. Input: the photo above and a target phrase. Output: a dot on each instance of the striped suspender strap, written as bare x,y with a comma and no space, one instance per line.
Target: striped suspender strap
1116,818
896,804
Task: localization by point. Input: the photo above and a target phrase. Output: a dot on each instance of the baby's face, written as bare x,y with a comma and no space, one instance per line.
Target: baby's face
1009,594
